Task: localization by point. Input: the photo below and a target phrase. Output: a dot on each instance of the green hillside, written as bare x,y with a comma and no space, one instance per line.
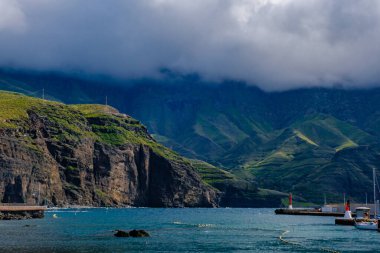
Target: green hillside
236,191
316,156
106,124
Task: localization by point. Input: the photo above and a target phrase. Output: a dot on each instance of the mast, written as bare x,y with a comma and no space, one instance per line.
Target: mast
374,191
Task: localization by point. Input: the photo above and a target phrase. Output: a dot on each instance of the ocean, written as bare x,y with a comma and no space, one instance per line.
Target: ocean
183,230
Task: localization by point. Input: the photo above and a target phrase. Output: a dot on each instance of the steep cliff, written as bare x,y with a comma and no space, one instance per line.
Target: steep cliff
56,154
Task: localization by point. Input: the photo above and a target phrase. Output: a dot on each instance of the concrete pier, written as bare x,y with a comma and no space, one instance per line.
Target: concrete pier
312,212
20,212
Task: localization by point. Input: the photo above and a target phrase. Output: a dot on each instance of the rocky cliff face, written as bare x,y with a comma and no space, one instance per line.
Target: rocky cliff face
61,155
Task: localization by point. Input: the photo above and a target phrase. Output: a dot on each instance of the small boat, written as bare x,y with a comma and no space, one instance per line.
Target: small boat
367,225
373,223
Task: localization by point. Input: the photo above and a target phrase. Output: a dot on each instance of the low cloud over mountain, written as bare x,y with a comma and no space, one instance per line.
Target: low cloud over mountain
275,44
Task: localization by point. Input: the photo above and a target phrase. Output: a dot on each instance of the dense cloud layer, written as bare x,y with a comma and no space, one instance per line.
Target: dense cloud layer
277,44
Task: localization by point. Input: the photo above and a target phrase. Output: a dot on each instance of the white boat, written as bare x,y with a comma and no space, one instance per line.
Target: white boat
367,225
370,224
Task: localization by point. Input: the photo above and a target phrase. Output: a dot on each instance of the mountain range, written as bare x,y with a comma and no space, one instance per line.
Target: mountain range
313,142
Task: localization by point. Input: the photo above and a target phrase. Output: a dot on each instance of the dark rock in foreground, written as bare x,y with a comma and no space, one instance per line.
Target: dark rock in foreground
132,233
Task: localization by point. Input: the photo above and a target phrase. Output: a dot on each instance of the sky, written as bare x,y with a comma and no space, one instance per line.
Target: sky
274,44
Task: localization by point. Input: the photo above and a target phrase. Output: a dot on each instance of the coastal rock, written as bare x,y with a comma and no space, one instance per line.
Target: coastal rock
138,233
121,233
132,233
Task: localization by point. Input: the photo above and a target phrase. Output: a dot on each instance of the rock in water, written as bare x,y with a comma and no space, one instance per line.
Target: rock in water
121,233
138,233
132,233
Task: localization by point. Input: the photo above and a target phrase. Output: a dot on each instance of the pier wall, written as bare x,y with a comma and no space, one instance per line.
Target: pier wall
21,212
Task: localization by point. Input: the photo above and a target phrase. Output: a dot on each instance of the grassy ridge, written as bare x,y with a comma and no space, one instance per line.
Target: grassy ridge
14,108
211,174
74,122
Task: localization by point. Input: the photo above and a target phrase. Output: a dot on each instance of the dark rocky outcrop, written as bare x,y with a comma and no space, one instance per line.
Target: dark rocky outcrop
59,155
132,233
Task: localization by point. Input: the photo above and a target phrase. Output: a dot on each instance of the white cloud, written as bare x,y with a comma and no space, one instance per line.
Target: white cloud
276,44
11,16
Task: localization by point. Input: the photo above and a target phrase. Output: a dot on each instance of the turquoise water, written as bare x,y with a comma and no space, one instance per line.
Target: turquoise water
183,230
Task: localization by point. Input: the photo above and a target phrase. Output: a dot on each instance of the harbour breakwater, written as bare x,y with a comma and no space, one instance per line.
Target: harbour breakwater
311,212
21,212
